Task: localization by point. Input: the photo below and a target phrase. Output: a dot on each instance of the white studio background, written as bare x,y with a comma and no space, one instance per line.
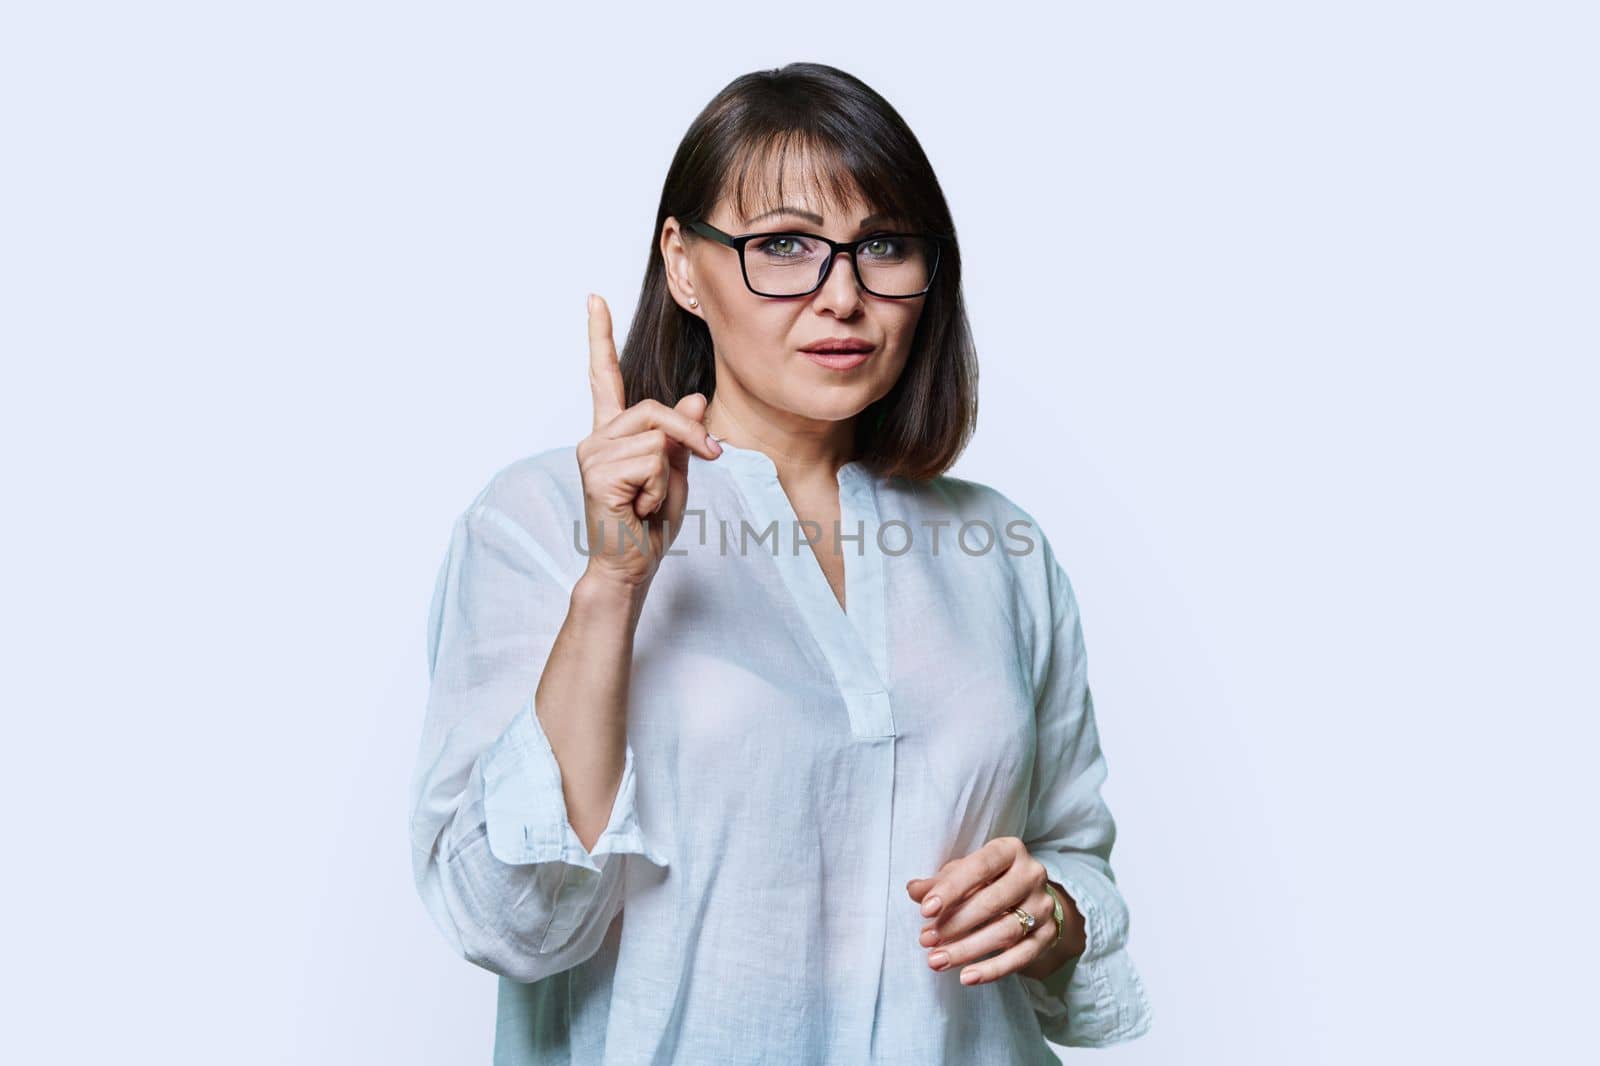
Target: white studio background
1287,315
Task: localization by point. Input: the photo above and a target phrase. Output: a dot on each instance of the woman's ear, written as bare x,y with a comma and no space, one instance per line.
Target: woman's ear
675,260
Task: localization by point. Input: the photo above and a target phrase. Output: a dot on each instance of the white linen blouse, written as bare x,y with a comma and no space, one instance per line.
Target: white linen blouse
790,765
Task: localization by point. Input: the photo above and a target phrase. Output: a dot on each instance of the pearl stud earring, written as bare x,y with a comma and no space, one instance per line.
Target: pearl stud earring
693,302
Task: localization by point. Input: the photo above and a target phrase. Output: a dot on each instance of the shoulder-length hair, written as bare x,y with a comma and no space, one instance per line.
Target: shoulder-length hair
861,146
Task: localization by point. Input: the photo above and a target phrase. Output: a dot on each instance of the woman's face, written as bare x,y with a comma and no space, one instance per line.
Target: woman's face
762,370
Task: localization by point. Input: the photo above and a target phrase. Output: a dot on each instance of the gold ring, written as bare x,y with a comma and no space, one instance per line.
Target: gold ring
1060,912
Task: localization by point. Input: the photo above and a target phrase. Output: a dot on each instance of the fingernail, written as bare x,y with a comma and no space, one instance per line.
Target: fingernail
939,960
930,906
589,301
716,445
969,977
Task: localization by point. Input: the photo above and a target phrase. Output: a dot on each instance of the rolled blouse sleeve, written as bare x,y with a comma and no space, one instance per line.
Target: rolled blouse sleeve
1098,999
496,860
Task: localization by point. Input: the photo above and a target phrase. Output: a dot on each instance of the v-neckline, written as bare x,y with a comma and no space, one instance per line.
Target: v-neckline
811,551
854,640
759,472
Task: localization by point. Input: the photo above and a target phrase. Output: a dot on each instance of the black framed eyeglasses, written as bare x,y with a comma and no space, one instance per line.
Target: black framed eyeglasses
784,263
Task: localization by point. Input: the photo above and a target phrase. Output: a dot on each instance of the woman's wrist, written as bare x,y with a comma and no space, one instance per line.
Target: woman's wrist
1071,945
597,593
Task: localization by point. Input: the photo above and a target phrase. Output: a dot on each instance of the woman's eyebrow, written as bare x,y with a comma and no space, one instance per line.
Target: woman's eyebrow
816,219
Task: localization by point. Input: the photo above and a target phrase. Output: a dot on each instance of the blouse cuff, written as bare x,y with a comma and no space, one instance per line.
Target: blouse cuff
525,811
1098,998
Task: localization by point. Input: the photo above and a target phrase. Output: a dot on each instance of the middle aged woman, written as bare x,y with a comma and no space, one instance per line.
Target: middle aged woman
754,735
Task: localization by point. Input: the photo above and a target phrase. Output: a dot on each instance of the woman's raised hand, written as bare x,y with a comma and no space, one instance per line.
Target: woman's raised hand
635,465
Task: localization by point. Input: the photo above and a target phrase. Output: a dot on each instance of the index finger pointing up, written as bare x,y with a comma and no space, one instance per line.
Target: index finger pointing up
605,371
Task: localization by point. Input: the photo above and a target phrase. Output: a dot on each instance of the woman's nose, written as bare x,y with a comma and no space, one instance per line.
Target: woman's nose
840,290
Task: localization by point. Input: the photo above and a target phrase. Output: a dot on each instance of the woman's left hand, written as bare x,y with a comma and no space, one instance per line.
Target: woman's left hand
968,906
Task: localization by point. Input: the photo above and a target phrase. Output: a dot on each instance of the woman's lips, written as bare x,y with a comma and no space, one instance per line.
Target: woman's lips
838,360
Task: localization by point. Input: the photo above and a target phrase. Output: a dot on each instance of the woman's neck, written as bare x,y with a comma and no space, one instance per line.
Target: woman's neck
797,455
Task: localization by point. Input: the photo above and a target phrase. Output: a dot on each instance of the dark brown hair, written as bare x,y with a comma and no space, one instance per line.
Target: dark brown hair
862,146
